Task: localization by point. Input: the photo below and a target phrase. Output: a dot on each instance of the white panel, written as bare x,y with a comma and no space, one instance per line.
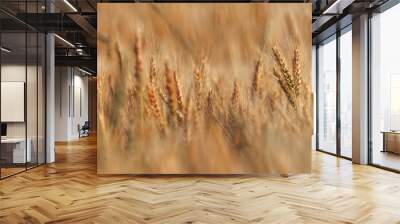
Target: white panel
12,101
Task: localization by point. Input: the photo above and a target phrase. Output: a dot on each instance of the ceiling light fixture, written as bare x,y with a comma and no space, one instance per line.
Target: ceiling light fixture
5,50
337,7
65,41
84,71
70,5
80,51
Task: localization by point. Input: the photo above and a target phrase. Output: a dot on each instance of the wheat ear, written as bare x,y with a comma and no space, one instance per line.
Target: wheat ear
172,95
155,107
199,84
289,82
153,71
257,77
297,71
235,98
178,93
138,60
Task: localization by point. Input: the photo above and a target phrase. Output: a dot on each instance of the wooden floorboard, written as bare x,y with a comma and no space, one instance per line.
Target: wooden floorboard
69,191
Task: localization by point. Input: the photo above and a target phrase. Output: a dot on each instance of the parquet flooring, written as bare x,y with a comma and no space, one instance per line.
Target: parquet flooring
69,191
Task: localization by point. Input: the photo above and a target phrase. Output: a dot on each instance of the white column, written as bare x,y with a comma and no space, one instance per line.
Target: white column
360,90
50,110
50,92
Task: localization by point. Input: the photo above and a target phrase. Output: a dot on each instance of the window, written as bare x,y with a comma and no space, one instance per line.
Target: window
327,96
385,89
346,93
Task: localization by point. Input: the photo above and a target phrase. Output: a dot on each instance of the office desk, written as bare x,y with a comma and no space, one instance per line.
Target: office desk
391,141
13,150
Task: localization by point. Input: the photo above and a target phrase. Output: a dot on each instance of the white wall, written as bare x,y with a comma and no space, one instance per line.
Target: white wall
16,73
62,81
71,102
81,103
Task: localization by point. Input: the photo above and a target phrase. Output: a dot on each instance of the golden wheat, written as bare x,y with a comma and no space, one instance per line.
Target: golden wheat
172,96
229,115
297,71
178,93
153,71
223,113
155,108
289,82
199,76
138,60
257,78
235,99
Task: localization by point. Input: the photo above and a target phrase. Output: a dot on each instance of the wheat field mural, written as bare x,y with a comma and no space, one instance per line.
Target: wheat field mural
204,88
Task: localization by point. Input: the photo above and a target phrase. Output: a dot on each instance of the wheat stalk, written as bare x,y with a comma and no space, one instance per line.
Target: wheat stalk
178,93
209,104
155,107
172,96
187,117
289,82
195,115
199,75
297,71
153,71
235,98
198,82
163,96
138,60
257,78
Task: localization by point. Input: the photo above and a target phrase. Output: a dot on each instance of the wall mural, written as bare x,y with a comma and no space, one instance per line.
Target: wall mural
188,88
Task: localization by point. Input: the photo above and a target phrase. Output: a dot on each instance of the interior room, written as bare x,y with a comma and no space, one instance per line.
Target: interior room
385,90
175,112
22,103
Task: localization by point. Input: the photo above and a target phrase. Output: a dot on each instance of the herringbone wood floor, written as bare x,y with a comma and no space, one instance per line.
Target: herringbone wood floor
69,191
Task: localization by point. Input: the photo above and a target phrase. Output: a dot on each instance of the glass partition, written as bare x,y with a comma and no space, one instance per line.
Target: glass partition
327,95
385,89
14,153
346,93
22,78
31,100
